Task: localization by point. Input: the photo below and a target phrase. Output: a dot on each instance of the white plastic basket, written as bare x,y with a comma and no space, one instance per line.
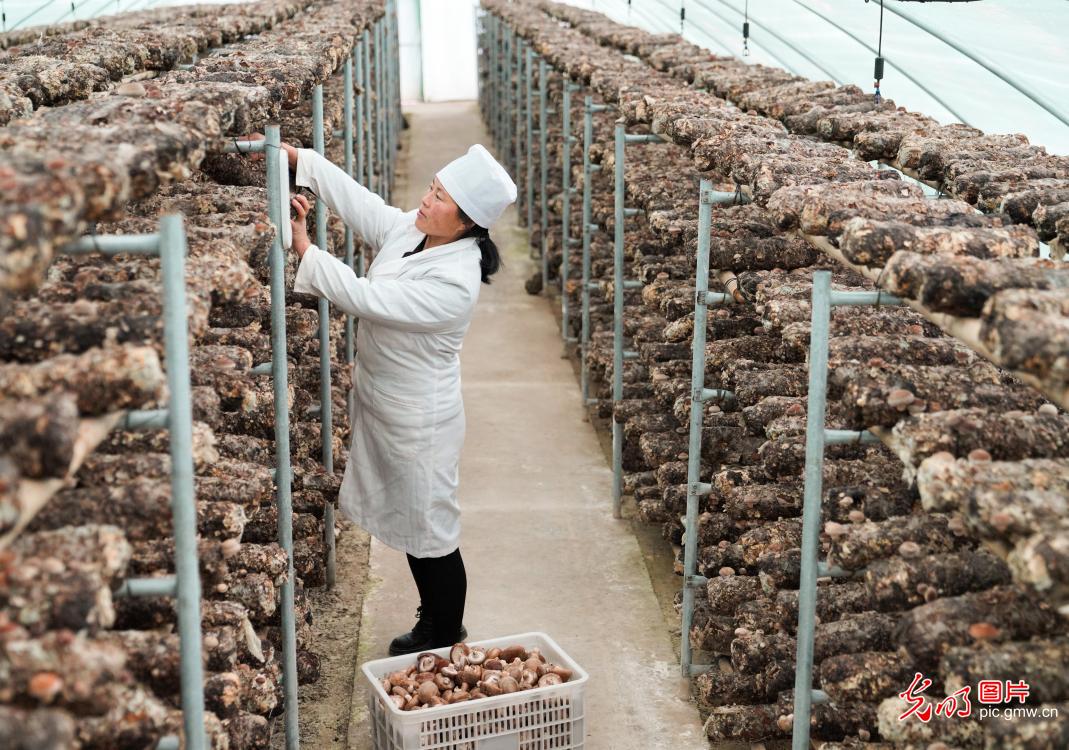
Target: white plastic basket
546,717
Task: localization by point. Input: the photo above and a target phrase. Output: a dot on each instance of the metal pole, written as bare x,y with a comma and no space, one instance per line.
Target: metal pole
521,136
172,250
566,204
584,333
282,435
491,76
517,91
506,76
369,113
347,134
618,321
694,451
384,187
358,75
814,465
543,89
529,172
326,421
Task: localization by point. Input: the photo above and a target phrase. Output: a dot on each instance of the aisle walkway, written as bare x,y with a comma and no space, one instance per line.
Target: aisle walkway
541,547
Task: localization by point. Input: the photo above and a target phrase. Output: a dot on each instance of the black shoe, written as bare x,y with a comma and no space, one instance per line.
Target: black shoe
421,637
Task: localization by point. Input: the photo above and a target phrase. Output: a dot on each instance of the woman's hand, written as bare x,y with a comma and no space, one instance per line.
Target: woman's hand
290,151
299,226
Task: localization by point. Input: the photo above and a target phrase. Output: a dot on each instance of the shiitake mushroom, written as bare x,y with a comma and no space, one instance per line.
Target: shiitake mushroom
470,673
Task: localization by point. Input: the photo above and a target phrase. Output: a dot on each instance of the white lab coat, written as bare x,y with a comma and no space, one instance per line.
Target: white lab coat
401,479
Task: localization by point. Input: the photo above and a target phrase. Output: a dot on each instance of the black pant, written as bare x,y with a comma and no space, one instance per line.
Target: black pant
443,586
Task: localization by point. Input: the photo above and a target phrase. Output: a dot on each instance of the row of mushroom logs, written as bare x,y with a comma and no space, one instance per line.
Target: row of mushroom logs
470,673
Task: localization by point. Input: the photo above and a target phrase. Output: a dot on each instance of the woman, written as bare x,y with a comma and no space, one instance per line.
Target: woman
414,306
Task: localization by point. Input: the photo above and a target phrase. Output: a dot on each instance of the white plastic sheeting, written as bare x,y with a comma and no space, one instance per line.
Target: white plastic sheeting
1025,39
438,50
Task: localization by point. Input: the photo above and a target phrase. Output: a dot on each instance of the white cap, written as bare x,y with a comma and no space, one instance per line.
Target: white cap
479,185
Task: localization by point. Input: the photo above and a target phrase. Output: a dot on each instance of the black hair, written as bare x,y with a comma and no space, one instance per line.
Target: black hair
490,263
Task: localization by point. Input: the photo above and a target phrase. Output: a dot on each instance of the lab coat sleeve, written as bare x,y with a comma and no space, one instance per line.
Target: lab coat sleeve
431,304
366,213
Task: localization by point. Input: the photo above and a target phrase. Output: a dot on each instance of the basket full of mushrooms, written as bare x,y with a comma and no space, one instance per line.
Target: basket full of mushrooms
474,696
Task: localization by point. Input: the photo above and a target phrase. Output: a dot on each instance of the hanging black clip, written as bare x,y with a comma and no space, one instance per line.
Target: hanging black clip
746,38
878,75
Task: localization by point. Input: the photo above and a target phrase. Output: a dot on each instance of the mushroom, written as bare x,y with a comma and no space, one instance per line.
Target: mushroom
508,684
513,652
515,671
386,686
435,701
491,688
476,656
532,663
470,675
909,549
549,679
422,677
1048,409
564,673
543,669
398,690
443,682
398,701
537,653
398,678
979,454
493,663
427,691
412,703
528,679
493,653
45,686
427,662
459,654
900,398
440,663
476,694
449,671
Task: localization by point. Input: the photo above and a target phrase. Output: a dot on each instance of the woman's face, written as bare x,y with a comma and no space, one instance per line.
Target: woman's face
438,215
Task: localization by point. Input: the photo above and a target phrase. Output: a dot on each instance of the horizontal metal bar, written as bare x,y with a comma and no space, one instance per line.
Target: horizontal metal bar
845,437
697,669
650,138
162,586
113,244
592,227
339,133
573,242
697,581
701,489
592,402
712,298
315,411
170,742
595,167
571,340
183,66
864,298
598,107
819,696
245,147
831,571
592,286
633,284
573,86
572,139
720,197
716,394
632,211
261,369
145,419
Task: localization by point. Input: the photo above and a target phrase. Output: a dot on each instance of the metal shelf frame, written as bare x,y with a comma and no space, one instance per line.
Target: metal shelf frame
169,244
619,354
816,438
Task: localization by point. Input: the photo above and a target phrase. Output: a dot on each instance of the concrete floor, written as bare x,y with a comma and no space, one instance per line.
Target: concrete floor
540,544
